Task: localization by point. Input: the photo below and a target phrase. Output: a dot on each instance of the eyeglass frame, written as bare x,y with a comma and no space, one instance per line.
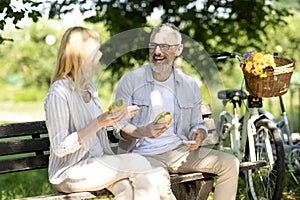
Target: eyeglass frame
165,48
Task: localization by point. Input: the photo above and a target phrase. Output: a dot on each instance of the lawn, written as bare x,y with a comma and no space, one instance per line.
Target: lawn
33,183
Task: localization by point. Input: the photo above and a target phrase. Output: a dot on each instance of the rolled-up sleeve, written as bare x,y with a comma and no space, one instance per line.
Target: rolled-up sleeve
63,141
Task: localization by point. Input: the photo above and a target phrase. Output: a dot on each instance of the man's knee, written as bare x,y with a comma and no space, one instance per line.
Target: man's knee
233,163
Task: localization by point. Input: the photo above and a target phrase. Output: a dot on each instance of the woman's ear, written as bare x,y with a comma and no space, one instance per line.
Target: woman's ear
179,50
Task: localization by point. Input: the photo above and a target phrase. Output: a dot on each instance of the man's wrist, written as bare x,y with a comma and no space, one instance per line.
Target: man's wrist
202,133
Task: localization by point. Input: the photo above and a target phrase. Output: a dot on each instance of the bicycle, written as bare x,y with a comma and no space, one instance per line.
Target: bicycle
291,146
252,138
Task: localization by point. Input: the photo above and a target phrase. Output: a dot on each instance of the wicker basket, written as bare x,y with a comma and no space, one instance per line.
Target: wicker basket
275,84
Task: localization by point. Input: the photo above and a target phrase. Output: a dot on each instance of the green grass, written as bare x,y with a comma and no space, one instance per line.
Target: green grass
34,183
24,184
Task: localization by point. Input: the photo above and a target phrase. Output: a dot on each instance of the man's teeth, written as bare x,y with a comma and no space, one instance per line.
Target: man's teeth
159,58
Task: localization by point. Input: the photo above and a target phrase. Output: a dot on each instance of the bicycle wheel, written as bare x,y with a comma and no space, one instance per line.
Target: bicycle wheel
266,182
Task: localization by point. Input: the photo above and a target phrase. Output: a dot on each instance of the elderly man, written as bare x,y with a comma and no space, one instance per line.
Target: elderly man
157,87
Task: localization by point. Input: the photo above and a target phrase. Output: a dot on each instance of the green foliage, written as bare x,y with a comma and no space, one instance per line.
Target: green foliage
20,94
29,60
217,25
17,13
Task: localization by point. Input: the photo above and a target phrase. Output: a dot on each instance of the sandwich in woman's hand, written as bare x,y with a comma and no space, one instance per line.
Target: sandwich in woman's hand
117,106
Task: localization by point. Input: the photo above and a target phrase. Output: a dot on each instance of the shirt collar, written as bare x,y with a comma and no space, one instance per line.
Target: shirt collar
149,76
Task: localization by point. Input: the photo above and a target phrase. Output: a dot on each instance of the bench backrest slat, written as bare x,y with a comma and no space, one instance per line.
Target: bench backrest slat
22,129
206,110
24,146
23,164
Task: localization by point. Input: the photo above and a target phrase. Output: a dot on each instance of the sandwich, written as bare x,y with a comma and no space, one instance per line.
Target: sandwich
163,118
117,106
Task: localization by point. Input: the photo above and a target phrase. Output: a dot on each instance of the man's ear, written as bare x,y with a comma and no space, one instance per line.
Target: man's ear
179,50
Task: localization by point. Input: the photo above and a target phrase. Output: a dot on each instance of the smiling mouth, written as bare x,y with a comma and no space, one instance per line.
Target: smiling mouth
159,59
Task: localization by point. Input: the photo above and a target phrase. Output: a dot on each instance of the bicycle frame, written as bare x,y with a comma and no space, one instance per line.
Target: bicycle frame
239,138
252,139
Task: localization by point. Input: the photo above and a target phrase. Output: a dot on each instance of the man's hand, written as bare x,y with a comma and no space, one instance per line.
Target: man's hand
151,130
199,136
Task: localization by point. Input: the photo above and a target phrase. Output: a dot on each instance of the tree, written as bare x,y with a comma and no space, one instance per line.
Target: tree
17,13
231,25
216,24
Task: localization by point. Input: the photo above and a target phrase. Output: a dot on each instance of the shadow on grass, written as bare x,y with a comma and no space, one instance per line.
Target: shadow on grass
24,184
35,183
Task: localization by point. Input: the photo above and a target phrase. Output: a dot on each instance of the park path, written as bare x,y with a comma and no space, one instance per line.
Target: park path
7,116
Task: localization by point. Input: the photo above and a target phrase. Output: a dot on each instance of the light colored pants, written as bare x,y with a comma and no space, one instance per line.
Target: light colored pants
224,165
162,181
138,180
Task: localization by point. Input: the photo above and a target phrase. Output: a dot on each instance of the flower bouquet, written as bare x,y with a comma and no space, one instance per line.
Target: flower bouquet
266,75
257,63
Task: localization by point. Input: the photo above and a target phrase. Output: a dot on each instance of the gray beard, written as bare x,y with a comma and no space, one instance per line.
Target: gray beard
159,68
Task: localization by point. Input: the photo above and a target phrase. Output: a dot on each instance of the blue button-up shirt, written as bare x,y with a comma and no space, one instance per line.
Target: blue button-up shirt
136,86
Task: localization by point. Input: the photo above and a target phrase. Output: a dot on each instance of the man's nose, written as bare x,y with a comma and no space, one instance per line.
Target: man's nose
157,49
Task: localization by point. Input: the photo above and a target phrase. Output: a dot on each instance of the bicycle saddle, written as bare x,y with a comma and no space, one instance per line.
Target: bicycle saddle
230,94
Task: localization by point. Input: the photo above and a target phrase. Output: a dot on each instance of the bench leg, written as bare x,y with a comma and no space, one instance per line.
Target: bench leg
193,190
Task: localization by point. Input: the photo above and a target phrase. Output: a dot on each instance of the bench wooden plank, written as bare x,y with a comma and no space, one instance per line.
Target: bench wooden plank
24,146
206,110
75,196
22,129
179,178
24,164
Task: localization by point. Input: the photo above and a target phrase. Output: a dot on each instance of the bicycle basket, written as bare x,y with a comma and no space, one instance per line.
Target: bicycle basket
275,84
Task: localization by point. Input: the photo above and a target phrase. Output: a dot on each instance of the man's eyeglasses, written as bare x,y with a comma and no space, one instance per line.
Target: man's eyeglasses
163,47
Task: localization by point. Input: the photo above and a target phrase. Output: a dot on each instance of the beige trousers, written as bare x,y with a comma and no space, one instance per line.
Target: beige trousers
224,165
138,180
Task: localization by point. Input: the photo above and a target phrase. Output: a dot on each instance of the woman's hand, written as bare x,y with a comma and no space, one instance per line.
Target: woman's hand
110,119
132,111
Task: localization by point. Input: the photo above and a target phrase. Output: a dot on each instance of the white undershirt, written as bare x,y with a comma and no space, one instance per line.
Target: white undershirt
162,99
97,149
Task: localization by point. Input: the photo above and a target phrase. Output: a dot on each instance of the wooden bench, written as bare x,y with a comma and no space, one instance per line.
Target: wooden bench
29,144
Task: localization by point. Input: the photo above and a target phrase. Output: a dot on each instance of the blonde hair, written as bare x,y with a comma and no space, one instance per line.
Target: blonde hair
77,49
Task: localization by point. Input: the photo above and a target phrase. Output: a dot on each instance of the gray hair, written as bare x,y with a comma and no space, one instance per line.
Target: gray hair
169,26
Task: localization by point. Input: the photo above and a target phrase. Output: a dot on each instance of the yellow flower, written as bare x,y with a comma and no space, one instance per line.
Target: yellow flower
257,56
257,63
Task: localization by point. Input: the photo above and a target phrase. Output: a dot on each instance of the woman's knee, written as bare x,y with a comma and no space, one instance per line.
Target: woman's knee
121,189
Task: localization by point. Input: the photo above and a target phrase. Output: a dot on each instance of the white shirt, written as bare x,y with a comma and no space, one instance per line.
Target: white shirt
162,99
67,113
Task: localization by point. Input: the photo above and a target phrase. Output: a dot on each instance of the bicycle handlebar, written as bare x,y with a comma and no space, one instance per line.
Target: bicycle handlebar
224,55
